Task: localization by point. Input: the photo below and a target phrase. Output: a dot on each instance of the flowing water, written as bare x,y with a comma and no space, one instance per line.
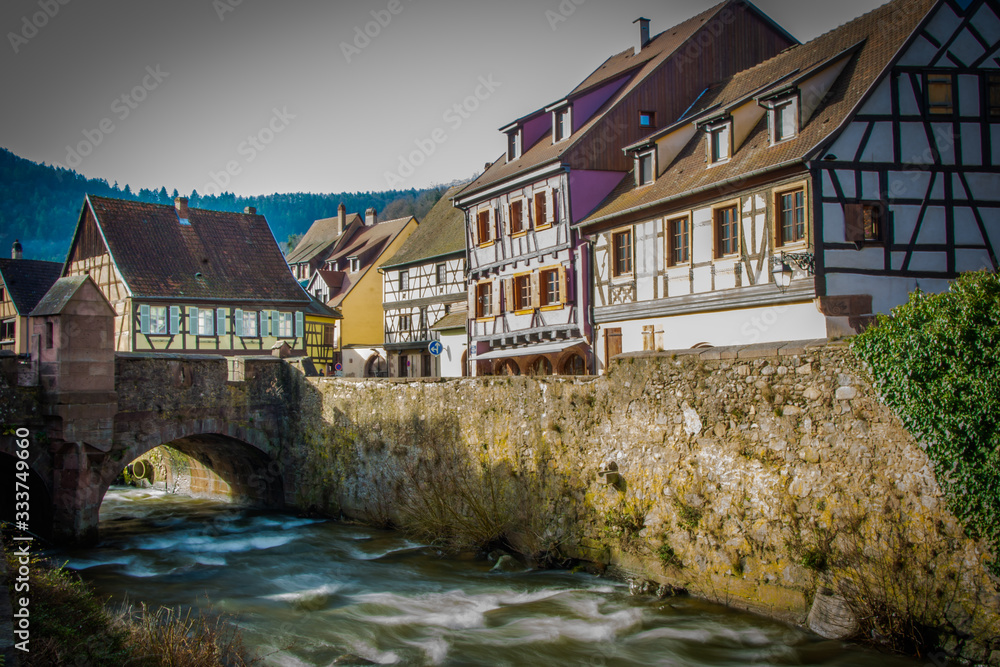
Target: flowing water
308,592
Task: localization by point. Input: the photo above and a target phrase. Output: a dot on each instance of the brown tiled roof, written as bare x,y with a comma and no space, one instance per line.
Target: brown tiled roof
216,256
27,281
454,320
878,36
333,279
368,244
627,63
320,238
442,232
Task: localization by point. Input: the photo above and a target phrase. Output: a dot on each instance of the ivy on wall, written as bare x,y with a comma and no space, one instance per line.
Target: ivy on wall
936,362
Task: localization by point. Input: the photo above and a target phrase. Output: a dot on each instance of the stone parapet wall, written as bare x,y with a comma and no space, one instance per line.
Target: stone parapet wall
753,476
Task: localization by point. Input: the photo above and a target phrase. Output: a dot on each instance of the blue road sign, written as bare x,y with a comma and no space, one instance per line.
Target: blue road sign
435,348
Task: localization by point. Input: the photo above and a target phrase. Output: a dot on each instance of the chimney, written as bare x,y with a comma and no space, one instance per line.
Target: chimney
181,204
643,33
370,218
16,251
341,218
250,210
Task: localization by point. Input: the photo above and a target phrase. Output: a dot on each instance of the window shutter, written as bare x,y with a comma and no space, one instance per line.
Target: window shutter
508,294
300,329
536,294
493,223
275,323
144,319
563,292
220,321
193,325
175,319
472,300
264,332
854,223
495,293
550,208
474,228
238,322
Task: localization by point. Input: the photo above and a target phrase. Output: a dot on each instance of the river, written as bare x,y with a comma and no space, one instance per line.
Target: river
310,592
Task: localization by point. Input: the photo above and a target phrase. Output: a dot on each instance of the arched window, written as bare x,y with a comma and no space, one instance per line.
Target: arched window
574,365
376,367
541,366
508,367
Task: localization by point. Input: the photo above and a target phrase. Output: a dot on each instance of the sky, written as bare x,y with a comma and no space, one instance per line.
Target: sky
257,97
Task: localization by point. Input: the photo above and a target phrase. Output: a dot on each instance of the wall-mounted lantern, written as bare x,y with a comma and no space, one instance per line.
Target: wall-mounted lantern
781,267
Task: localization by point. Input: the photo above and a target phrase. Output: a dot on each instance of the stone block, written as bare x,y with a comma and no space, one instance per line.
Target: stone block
804,369
846,393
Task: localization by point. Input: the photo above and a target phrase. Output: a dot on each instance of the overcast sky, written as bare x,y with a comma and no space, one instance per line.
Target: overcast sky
170,93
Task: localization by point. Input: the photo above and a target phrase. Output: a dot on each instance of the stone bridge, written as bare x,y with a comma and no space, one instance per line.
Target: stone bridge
84,420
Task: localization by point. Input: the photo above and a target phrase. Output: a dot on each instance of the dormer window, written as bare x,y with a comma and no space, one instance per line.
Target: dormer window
513,145
720,142
784,120
355,263
645,168
647,120
562,124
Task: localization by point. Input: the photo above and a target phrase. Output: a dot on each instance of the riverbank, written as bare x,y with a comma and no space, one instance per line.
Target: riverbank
69,624
757,477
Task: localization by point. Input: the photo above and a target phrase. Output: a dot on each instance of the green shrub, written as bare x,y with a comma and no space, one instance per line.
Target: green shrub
936,362
668,557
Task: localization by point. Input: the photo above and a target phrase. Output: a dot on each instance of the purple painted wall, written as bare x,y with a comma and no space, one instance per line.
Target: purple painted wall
587,189
585,107
536,128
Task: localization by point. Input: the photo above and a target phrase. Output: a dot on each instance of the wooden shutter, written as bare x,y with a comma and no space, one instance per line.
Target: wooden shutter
508,294
495,293
536,293
264,331
550,208
275,323
472,300
854,223
563,292
194,327
300,328
220,321
474,227
175,319
238,322
144,319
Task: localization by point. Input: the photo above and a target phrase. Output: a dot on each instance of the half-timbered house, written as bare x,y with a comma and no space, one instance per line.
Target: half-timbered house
311,252
803,195
188,280
422,283
23,283
529,271
351,284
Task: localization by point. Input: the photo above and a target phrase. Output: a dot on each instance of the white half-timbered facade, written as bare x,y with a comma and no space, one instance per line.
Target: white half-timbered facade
529,268
804,195
422,284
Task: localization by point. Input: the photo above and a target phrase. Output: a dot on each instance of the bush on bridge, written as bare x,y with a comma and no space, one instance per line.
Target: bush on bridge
936,361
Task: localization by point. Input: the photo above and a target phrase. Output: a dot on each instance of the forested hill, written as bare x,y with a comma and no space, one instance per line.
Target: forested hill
40,205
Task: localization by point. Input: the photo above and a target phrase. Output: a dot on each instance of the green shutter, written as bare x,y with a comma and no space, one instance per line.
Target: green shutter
300,327
193,325
220,321
175,319
275,323
238,322
144,319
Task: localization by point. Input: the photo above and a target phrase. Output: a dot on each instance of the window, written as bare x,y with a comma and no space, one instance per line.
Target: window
484,226
647,119
355,264
423,319
153,320
864,222
543,212
404,281
551,286
329,335
720,143
516,213
791,217
993,95
514,145
939,94
201,321
7,330
284,325
522,292
562,124
727,231
50,335
646,174
784,120
678,241
621,244
249,324
484,299
442,273
405,322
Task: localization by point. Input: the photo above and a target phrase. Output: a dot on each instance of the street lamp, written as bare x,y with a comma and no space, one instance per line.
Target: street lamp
781,267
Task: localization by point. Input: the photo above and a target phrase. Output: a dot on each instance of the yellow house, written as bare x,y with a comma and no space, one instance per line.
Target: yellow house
351,284
323,336
23,283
